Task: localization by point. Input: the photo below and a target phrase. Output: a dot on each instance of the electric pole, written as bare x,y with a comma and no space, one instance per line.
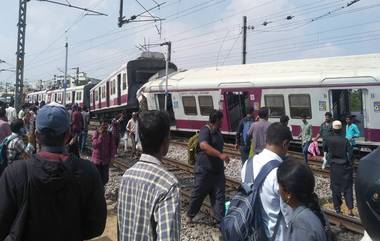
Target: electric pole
65,78
244,52
18,98
168,56
20,53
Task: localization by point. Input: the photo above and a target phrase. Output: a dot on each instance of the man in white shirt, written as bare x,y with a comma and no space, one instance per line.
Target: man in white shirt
277,139
132,131
11,113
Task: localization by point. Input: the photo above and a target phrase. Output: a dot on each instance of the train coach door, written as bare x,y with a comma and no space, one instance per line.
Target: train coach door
119,89
100,97
73,97
108,93
236,103
160,101
349,102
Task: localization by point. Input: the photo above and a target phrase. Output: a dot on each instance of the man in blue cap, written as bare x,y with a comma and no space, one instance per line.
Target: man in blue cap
54,195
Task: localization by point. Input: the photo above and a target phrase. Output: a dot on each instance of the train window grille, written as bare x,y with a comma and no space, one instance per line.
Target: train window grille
300,104
96,95
276,105
206,104
189,105
124,81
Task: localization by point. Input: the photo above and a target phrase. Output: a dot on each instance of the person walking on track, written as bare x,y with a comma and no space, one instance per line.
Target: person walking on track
352,133
341,171
258,131
149,200
103,150
131,132
53,196
209,169
86,123
305,137
243,142
325,131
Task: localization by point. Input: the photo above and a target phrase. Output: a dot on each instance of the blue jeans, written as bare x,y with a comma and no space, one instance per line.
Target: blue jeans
83,140
305,148
244,153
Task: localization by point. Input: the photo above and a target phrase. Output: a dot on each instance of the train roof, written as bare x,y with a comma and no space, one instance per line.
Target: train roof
58,90
357,69
37,92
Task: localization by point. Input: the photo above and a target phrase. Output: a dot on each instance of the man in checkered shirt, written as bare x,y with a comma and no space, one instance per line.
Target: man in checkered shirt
16,148
149,201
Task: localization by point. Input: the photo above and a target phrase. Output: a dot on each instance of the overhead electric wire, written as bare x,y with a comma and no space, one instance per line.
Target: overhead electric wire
189,38
304,22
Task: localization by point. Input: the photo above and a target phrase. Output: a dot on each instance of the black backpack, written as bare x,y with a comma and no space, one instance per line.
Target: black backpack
244,220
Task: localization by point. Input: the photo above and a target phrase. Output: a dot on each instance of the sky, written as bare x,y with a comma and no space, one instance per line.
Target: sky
203,33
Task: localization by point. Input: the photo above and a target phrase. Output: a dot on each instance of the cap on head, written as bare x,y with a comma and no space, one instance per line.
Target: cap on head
53,116
337,125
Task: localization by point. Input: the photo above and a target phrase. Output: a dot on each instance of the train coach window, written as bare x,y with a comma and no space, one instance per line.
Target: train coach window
103,92
189,105
113,87
299,104
79,95
276,105
124,81
205,104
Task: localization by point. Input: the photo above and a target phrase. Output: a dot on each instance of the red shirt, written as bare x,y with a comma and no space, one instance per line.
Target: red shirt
102,148
77,121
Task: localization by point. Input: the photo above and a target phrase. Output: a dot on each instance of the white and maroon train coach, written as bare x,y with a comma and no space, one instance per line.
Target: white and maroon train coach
79,95
341,85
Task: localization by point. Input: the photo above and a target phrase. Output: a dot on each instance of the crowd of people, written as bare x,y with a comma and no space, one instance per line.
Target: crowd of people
48,192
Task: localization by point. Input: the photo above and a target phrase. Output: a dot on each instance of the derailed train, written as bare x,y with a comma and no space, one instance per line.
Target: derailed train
113,94
341,85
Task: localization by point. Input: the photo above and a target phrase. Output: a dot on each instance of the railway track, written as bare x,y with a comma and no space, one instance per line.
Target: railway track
230,150
184,174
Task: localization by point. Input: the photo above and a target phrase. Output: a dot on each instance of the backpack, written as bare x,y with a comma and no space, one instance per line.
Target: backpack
3,152
246,126
193,147
243,220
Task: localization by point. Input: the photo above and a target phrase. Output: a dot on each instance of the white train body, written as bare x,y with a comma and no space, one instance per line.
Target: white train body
74,95
111,92
341,85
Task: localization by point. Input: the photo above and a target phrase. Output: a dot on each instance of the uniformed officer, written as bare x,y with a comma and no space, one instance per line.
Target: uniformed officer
341,172
209,169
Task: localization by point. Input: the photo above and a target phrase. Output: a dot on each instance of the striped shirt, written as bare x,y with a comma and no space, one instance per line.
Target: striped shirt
149,203
15,148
